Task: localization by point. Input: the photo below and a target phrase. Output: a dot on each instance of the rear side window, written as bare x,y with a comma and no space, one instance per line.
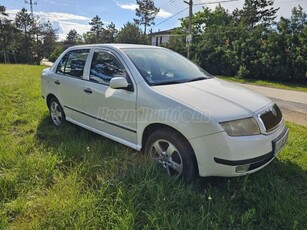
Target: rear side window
73,62
104,67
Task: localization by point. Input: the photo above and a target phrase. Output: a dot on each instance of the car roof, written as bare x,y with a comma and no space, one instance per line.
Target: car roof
116,46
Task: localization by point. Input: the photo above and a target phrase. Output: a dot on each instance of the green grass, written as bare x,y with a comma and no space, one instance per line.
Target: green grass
70,178
279,85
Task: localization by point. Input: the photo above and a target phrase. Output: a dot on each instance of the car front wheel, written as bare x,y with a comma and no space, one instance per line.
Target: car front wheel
173,152
56,112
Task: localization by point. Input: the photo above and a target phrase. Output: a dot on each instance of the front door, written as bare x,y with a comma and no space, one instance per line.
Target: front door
112,111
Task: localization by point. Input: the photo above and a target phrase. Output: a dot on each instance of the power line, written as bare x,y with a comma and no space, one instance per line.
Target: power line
174,15
161,4
170,2
203,3
171,7
196,4
207,3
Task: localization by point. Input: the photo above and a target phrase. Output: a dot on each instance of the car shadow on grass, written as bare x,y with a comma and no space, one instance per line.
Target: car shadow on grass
73,143
77,147
274,197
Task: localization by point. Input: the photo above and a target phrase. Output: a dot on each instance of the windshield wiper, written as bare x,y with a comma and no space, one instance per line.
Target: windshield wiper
169,82
197,79
178,82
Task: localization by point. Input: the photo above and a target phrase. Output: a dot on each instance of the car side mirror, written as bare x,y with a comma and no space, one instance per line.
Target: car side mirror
119,83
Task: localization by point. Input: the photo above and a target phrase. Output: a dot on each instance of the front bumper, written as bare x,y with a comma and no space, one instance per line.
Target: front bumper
222,155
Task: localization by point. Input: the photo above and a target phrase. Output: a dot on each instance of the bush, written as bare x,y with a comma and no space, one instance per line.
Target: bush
56,53
243,72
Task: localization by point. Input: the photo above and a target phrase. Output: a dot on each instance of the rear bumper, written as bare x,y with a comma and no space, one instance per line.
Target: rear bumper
221,155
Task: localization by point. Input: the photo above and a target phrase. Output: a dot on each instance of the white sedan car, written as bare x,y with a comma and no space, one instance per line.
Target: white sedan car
153,99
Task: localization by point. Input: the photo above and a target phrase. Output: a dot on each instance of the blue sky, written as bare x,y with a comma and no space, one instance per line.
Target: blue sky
75,14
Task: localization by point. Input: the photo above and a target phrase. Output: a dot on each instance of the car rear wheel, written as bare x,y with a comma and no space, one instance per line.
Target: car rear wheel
56,112
173,152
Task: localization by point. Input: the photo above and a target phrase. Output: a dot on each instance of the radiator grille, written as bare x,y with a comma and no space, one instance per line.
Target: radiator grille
271,118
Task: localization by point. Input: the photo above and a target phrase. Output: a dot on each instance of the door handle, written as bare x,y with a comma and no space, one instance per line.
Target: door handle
88,90
57,82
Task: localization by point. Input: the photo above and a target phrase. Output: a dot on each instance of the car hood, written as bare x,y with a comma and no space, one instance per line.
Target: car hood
221,100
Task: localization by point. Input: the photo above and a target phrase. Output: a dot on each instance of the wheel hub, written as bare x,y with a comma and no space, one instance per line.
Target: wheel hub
165,160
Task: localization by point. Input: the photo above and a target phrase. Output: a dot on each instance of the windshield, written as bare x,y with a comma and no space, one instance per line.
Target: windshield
163,66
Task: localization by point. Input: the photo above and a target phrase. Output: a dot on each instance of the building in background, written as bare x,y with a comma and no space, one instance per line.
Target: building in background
160,38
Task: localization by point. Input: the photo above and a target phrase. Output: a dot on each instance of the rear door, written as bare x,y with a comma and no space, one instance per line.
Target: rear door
112,111
70,83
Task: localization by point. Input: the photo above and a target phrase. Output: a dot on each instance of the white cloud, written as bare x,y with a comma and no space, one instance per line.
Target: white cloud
164,14
11,14
56,3
66,26
62,16
63,22
54,16
130,6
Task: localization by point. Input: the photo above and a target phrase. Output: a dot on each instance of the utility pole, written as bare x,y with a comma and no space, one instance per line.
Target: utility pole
31,3
189,37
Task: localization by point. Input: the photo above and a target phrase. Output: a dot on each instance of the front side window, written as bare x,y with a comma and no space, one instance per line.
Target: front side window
73,62
104,67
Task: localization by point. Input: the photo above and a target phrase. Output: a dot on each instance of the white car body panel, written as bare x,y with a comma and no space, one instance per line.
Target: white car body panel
70,94
234,148
202,104
206,126
234,102
103,102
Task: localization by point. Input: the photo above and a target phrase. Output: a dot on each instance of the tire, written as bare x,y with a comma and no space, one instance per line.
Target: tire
56,112
172,151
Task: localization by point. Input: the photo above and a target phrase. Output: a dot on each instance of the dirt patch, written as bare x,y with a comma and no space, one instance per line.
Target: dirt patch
295,117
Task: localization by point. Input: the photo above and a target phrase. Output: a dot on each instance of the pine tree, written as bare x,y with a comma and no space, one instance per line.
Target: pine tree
131,34
49,38
146,13
256,12
72,38
24,21
7,31
110,33
97,27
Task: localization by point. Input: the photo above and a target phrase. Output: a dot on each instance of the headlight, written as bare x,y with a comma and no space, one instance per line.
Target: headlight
243,127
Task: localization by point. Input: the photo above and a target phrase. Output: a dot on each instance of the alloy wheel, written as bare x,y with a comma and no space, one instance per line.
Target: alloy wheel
166,154
56,113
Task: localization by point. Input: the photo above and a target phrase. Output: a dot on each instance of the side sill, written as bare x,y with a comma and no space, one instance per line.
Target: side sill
119,140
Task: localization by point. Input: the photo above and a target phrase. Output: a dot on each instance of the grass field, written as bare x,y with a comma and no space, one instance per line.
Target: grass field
70,178
279,85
